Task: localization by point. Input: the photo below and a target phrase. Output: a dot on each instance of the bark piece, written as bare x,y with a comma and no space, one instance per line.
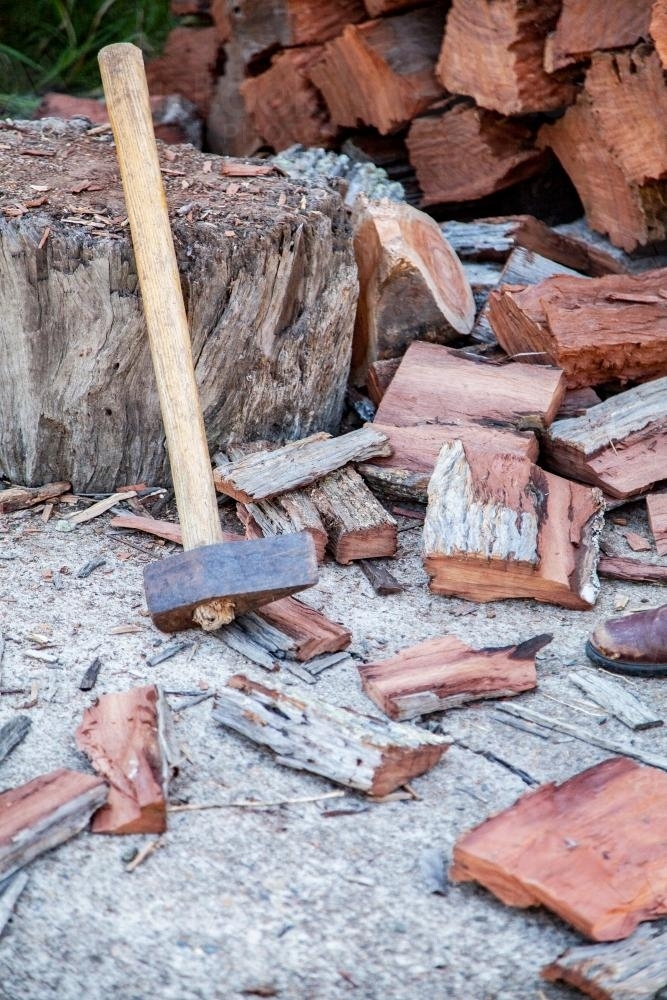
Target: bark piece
280,295
20,497
405,474
445,673
284,515
620,330
633,570
123,735
186,66
435,384
586,27
463,152
381,580
312,632
380,374
590,849
411,284
615,699
45,812
283,104
351,749
12,733
498,527
382,73
635,969
619,445
266,474
493,51
357,525
656,505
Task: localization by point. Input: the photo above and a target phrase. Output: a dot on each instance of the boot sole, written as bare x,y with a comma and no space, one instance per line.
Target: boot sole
629,667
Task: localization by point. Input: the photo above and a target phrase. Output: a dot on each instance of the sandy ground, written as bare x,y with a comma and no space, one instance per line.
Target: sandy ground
306,901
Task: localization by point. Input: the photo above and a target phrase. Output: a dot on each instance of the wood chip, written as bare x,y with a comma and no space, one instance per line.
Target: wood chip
615,698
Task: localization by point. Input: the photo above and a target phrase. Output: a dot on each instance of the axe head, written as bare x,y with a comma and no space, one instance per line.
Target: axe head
248,574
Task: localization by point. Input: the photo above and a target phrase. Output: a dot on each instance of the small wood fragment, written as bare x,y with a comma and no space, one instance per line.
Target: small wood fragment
353,750
632,570
168,530
21,497
616,699
263,475
12,733
656,505
381,580
101,507
357,524
591,849
10,890
637,542
445,673
89,679
635,969
45,812
123,735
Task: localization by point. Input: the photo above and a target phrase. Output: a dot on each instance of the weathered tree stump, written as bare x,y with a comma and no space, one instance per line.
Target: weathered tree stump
270,286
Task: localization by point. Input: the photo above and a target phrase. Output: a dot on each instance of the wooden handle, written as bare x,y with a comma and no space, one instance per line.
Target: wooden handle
126,93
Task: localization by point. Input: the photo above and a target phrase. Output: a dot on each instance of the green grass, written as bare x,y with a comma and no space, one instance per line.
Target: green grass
53,45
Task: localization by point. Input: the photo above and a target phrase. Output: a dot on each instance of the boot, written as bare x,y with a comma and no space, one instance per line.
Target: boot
635,644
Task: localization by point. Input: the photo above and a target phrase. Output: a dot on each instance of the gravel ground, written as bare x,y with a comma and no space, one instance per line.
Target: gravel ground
304,901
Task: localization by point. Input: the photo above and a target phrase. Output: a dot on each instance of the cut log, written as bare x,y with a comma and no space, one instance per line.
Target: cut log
123,735
411,284
498,527
631,214
619,445
283,104
445,673
186,66
313,632
382,73
591,849
280,296
405,474
284,515
357,525
494,53
635,969
20,497
12,733
44,813
437,385
267,474
380,374
615,699
462,153
632,570
620,330
656,505
658,29
351,749
586,27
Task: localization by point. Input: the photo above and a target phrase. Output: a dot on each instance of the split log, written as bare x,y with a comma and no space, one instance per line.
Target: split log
603,257
591,849
630,214
280,295
382,73
620,331
462,152
379,375
405,474
285,515
585,28
494,52
45,812
619,445
437,385
615,699
20,497
499,527
445,673
482,278
186,66
351,749
12,733
658,29
632,570
358,526
377,7
266,474
283,104
123,735
312,632
656,505
411,284
635,969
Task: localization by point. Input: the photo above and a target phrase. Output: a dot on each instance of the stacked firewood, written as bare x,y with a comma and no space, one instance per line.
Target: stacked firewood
478,95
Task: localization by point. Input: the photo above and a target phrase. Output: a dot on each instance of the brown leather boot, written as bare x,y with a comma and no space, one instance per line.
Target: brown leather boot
635,644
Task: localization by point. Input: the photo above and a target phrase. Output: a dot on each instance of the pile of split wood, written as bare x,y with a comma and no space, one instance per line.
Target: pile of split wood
466,94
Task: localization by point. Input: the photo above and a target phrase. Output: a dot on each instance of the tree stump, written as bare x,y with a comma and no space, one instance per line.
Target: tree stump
270,286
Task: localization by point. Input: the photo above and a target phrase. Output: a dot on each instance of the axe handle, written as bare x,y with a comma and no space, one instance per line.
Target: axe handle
126,93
